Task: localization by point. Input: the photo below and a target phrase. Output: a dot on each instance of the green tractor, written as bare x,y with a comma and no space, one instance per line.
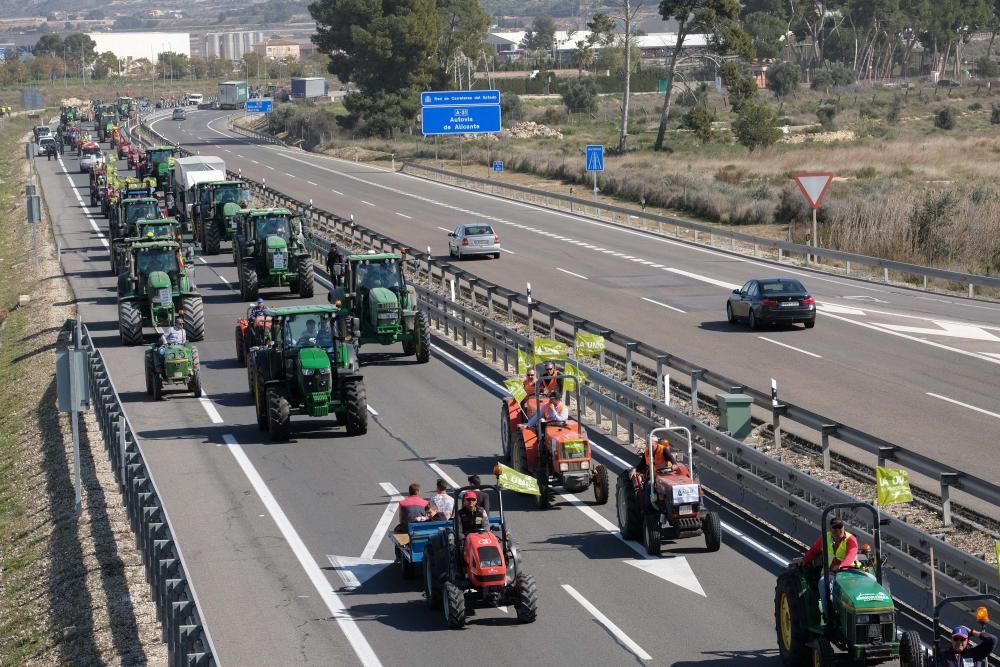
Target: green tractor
105,124
373,289
179,365
157,164
122,218
145,230
153,286
218,206
308,368
269,251
861,615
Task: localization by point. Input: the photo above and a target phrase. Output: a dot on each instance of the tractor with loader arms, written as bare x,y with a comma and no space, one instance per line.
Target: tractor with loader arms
307,367
860,621
269,251
462,571
216,210
153,287
555,453
157,164
373,288
661,498
179,365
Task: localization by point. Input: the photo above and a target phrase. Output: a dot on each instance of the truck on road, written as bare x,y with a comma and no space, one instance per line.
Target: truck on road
309,86
233,94
189,172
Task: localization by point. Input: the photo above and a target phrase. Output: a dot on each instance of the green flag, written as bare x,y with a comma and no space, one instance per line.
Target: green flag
569,383
517,481
996,545
516,389
588,344
893,486
548,349
524,362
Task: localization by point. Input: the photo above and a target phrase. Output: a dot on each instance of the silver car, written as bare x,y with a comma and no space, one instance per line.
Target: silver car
475,239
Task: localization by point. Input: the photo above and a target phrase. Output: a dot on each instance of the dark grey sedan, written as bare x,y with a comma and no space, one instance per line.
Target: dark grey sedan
771,300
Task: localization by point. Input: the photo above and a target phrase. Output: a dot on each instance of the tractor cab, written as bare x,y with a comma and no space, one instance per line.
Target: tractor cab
213,197
153,286
269,249
158,165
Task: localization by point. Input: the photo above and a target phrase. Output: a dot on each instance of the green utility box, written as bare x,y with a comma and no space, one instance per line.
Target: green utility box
734,414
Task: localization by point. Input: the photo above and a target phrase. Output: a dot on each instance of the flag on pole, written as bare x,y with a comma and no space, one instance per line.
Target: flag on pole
524,362
549,349
588,344
516,389
570,372
508,478
893,486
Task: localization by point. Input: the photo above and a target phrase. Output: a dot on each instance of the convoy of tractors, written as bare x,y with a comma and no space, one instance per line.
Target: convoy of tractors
303,360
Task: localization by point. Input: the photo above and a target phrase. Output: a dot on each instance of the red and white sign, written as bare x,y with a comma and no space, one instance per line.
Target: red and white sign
814,186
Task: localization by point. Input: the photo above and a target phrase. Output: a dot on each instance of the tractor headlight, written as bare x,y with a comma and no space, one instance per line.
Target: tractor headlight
585,465
563,467
862,619
308,371
324,371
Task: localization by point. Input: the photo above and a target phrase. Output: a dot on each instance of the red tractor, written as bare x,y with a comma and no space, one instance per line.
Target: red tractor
660,498
123,148
555,453
477,569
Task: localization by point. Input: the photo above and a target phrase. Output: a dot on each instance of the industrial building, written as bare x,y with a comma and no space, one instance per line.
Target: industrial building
231,45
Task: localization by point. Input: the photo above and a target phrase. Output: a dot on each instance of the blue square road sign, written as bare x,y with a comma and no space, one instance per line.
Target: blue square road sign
595,157
497,165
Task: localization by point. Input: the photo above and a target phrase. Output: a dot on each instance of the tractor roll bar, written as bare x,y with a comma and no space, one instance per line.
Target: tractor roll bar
652,440
876,535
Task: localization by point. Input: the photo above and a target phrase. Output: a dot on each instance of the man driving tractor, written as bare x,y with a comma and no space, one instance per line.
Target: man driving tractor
555,411
662,458
471,518
842,548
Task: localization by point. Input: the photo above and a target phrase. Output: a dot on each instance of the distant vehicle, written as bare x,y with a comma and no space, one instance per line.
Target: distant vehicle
475,239
309,86
90,156
42,131
195,98
178,114
770,300
233,94
948,83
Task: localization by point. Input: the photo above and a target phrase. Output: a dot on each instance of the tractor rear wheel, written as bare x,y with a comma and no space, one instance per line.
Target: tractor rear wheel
454,605
627,501
422,338
260,403
526,591
405,566
278,415
652,535
194,317
248,282
517,454
357,407
212,238
129,323
431,592
600,485
148,370
790,620
712,528
306,278
910,652
240,352
505,433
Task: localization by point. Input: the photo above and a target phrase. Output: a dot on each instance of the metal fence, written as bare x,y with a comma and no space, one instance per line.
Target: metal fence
182,628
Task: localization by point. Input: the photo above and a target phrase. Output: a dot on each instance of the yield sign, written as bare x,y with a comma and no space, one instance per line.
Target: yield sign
814,186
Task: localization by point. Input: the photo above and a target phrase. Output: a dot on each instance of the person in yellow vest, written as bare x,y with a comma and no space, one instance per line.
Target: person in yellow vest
842,551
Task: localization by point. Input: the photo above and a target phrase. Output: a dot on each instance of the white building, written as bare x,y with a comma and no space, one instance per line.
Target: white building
231,45
508,44
135,45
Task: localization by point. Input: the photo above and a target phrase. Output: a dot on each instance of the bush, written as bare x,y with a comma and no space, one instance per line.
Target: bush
783,78
833,76
699,120
975,106
892,116
510,107
995,115
580,96
826,113
945,119
986,68
754,127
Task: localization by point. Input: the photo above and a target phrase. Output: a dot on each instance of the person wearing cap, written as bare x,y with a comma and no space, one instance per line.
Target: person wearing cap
471,518
258,308
842,552
411,508
173,335
961,654
482,499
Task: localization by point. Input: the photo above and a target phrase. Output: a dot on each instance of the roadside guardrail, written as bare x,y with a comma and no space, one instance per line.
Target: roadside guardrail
182,627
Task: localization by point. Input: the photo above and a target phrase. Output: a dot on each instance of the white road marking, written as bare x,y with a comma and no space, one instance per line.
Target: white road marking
755,544
608,455
372,410
238,155
509,252
575,275
677,571
337,192
824,307
443,475
311,183
383,523
950,329
770,340
355,571
79,199
658,303
202,260
269,167
444,230
704,279
227,150
607,623
362,649
402,215
209,408
255,161
289,175
964,405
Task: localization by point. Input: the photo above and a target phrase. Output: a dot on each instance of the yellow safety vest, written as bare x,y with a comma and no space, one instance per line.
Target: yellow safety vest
840,552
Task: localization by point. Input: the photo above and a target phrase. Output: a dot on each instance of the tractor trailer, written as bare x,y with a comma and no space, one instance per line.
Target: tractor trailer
232,94
190,171
309,86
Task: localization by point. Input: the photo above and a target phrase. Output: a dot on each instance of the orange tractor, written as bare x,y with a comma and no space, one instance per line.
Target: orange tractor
251,331
660,498
555,453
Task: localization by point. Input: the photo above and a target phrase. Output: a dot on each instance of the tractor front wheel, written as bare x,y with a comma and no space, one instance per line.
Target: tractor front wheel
129,323
910,652
454,605
790,620
240,352
527,598
194,383
260,403
712,528
652,534
422,338
505,433
306,278
600,482
278,415
148,370
544,498
248,282
627,501
194,317
357,408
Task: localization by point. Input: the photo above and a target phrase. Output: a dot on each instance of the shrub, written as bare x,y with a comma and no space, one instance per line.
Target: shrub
995,115
783,78
975,106
894,109
699,120
826,113
832,76
580,96
945,119
754,128
510,107
740,86
986,68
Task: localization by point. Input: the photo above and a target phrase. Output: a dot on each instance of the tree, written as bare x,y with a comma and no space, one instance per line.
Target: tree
48,45
541,35
94,15
692,17
463,30
783,78
387,50
699,120
740,86
510,106
826,114
80,48
583,57
755,126
256,65
106,63
580,95
173,65
767,33
143,67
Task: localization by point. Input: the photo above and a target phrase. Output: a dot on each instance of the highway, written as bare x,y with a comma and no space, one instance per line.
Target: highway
914,368
285,543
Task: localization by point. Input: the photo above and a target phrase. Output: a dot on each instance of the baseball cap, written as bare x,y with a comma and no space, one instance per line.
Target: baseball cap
960,631
469,494
260,299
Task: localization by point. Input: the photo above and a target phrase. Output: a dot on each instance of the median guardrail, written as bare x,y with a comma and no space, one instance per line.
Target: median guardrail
182,627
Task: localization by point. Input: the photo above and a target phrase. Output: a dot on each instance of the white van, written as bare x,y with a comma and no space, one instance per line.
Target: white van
195,98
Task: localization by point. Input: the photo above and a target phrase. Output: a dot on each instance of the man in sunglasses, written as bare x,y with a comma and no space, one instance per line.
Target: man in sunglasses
842,552
961,654
529,382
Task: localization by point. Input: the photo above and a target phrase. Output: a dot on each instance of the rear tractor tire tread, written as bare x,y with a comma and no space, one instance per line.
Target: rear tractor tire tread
194,317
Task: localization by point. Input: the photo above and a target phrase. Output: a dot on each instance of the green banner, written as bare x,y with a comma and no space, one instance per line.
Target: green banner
516,388
547,349
588,344
524,362
574,449
893,486
517,481
569,383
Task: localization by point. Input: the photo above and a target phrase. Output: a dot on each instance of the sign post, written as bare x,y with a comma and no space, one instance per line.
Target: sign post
460,112
595,162
73,395
814,186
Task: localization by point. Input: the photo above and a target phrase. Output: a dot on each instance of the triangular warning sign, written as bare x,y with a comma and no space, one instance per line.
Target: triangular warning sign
814,186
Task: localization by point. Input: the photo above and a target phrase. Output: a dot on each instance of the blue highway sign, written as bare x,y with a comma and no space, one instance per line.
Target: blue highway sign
460,112
259,106
498,165
450,98
595,157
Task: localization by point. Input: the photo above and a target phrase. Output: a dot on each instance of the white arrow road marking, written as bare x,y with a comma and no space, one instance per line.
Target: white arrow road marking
607,623
356,571
675,570
383,523
663,305
964,405
951,329
824,307
769,340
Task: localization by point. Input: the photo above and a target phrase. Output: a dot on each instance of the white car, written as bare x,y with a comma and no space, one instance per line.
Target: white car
473,239
90,159
195,98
